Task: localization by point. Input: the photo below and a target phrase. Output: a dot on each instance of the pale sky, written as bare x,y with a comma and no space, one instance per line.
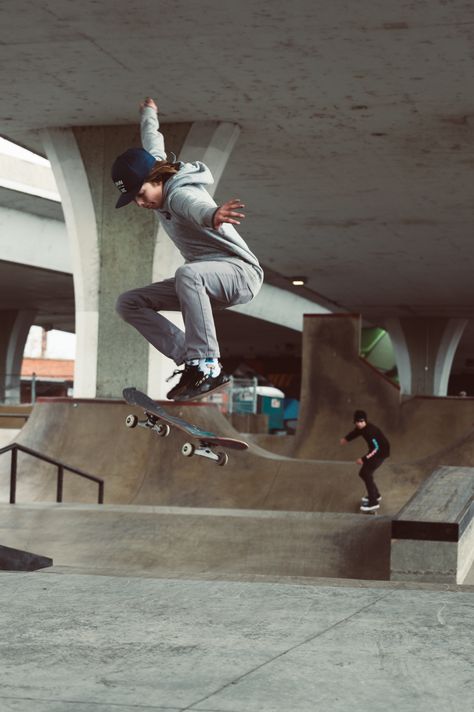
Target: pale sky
11,149
60,344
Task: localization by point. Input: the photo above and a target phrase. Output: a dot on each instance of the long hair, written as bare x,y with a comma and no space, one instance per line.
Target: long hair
161,172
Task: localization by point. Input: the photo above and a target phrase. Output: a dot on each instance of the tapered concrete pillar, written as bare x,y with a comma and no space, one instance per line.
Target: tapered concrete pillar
424,352
14,329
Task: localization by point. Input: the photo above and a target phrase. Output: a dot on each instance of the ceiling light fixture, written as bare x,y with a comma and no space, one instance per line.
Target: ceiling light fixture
298,281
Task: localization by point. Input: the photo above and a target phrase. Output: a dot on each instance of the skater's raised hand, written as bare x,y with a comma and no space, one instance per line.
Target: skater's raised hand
226,213
148,102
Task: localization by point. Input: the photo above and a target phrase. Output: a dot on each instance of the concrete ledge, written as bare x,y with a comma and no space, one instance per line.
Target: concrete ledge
180,541
433,535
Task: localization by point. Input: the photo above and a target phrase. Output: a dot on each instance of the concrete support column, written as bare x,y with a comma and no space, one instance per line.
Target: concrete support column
70,174
212,143
424,352
14,329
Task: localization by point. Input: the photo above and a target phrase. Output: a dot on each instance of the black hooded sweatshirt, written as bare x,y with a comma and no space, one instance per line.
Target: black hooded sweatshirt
379,446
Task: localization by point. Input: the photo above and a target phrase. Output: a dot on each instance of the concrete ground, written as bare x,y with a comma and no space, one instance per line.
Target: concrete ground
90,643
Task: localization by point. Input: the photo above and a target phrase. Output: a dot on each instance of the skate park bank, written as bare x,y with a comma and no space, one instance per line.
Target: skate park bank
263,513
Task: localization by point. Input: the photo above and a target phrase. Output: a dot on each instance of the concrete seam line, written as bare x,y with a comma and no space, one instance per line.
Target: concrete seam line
289,650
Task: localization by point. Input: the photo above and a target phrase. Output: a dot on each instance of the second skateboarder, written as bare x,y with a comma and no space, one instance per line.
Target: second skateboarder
379,450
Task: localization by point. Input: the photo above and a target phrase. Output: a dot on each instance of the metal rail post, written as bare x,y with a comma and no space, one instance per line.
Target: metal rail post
13,469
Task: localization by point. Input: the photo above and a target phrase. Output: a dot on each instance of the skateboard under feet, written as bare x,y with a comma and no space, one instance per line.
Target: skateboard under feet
160,421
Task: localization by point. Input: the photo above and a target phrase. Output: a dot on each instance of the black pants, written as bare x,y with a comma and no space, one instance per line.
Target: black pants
367,474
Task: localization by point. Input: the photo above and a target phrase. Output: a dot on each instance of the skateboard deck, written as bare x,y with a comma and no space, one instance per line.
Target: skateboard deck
159,420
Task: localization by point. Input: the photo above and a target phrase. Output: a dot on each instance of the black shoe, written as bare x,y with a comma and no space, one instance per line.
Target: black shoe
188,376
369,507
204,385
365,500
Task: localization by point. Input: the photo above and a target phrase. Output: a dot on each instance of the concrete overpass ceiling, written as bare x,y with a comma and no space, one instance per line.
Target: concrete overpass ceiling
355,157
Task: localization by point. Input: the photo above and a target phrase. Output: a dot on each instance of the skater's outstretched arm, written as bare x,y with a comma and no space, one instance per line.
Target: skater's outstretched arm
189,205
152,138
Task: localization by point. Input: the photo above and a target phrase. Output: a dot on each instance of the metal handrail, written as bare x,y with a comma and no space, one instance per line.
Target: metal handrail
14,448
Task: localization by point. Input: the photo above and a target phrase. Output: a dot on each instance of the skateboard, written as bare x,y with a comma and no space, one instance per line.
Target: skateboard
160,421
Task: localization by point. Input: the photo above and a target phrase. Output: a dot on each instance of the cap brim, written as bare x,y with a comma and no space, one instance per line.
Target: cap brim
124,199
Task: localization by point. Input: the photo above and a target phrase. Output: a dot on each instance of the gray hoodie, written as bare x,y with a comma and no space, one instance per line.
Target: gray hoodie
188,209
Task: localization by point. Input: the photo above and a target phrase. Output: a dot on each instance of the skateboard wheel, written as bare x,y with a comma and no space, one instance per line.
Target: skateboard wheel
187,450
223,458
131,421
163,430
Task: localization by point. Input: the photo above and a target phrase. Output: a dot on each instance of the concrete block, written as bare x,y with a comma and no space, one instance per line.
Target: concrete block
433,535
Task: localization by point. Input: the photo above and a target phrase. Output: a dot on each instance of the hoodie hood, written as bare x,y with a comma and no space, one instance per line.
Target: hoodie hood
196,173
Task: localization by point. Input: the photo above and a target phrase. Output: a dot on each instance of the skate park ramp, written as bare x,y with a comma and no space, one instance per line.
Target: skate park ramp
139,467
336,381
167,514
302,511
12,418
177,542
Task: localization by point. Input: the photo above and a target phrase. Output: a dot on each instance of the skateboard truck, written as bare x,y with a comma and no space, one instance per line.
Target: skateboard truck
162,429
205,450
188,449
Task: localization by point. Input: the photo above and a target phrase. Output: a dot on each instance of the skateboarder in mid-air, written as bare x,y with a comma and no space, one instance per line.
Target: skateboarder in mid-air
379,450
219,269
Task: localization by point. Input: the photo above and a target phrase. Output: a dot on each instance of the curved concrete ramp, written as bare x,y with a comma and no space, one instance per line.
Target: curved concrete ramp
139,467
336,381
459,453
175,541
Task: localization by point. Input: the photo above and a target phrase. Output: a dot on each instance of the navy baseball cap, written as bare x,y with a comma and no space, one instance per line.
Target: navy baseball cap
129,171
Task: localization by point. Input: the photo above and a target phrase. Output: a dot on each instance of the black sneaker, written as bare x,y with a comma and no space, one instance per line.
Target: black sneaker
188,376
365,500
204,385
369,507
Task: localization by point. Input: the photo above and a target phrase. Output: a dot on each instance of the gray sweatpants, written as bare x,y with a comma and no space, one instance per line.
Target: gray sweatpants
196,289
